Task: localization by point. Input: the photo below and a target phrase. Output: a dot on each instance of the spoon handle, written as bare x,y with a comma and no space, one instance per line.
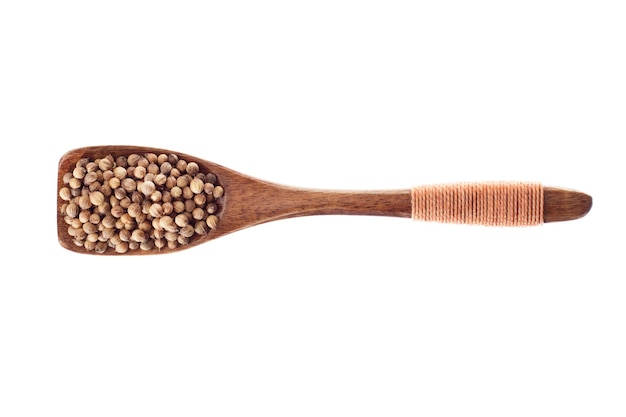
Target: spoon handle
491,204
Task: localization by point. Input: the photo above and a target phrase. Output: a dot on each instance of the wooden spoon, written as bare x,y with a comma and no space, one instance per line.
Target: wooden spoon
248,201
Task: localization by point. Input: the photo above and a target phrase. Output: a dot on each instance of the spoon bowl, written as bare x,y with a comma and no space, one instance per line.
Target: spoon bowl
246,202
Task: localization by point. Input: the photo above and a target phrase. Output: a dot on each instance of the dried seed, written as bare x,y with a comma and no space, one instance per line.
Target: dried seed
96,198
65,194
192,168
212,221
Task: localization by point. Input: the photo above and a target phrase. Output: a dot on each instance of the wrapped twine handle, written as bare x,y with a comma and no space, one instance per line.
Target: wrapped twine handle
490,204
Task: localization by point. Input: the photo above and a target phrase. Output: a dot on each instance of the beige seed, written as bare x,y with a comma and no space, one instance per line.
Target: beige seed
159,179
117,211
189,205
187,231
156,196
115,239
181,165
179,206
208,188
218,192
75,183
129,184
106,190
104,208
168,208
134,210
114,183
156,210
187,193
67,177
106,175
171,236
101,247
147,245
108,221
199,199
119,172
91,167
133,159
147,188
201,228
94,186
125,235
139,172
90,178
182,240
170,182
84,202
166,168
121,247
212,221
90,245
198,214
192,168
153,169
107,233
79,172
126,219
176,192
90,228
65,194
211,208
182,181
136,197
160,243
172,244
143,162
84,215
94,218
96,198
181,220
167,223
120,194
145,225
105,164
138,236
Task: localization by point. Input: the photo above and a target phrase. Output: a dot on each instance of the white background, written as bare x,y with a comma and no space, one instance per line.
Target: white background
332,315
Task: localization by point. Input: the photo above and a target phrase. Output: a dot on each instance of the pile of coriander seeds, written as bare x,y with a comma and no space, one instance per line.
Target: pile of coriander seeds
138,202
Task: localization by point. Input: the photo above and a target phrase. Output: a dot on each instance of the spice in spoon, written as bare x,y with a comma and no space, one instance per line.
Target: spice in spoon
139,202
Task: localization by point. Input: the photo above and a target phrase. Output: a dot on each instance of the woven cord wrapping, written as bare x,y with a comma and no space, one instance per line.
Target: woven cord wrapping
490,204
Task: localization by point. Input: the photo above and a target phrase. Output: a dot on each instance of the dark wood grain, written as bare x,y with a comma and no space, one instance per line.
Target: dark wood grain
250,201
561,205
